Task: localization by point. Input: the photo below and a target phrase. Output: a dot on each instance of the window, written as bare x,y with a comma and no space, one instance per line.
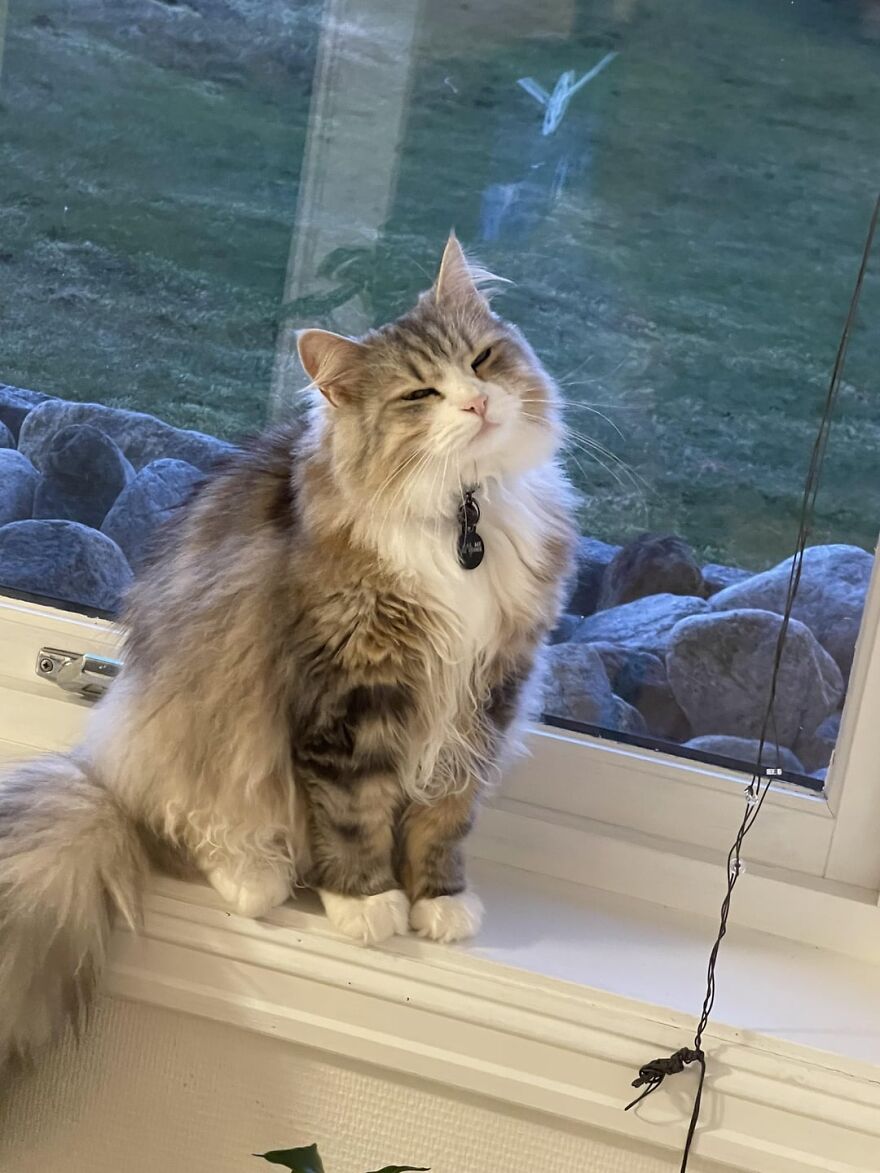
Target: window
680,201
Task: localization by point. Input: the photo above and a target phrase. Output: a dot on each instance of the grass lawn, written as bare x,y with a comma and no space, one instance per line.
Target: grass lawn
683,246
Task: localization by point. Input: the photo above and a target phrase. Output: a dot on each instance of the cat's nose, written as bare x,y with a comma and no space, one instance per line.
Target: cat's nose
477,405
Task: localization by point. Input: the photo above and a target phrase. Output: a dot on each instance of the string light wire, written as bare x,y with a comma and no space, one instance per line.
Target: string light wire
652,1074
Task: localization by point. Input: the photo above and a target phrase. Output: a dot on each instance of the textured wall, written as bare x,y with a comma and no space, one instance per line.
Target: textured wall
153,1091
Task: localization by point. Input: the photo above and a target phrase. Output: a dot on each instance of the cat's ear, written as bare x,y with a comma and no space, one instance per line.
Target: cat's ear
460,280
330,360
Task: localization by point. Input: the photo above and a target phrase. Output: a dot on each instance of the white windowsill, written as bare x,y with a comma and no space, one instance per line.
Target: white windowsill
565,994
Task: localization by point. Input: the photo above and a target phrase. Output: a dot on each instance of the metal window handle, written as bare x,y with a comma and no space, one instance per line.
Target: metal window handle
84,673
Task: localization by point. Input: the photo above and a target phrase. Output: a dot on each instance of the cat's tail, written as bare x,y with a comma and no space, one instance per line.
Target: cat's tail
69,857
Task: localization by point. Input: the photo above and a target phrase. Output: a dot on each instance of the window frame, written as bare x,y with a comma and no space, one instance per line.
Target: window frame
570,779
832,836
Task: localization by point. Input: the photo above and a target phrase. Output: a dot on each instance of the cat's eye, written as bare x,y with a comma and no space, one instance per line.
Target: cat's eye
481,358
422,393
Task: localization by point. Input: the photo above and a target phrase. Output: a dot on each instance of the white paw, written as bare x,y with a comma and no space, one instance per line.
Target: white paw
251,893
368,919
448,918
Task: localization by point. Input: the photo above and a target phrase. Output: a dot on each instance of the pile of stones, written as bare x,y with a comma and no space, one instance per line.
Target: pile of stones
656,645
83,489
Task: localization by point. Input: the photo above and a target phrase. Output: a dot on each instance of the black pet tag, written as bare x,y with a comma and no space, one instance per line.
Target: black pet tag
470,544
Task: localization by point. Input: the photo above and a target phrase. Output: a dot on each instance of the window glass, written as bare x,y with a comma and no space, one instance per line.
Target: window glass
679,193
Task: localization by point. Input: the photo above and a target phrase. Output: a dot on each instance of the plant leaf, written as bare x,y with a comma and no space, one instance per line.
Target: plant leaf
403,1169
304,1160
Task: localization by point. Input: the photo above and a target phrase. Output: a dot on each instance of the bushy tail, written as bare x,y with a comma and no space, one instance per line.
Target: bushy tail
69,855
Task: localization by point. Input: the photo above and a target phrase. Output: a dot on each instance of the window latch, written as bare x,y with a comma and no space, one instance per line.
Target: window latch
84,673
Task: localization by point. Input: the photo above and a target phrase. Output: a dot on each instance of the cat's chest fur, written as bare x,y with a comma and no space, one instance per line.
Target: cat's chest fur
482,606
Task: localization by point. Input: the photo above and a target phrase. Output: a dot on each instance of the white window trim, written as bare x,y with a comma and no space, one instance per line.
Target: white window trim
840,918
528,1041
834,836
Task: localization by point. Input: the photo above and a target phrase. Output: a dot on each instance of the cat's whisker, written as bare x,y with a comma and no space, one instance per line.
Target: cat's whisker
592,404
431,492
394,473
401,471
596,451
580,468
567,381
412,474
618,404
629,486
438,477
566,405
439,517
595,446
591,441
623,475
574,370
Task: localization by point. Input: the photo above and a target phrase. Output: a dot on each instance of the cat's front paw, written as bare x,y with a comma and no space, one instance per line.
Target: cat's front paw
368,919
447,918
251,893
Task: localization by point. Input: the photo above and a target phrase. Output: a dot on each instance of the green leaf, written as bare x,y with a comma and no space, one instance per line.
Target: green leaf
403,1169
299,1160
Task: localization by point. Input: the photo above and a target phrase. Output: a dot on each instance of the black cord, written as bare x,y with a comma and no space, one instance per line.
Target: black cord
652,1074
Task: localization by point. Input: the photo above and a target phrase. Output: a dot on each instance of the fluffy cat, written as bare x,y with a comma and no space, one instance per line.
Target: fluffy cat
315,690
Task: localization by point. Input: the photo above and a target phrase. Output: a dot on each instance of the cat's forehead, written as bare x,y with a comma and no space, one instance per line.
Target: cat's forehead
436,335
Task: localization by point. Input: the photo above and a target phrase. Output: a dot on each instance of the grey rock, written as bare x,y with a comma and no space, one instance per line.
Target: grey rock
156,493
815,748
592,557
628,668
719,666
640,679
15,403
716,576
83,474
24,393
564,629
745,749
628,719
142,438
7,440
830,598
647,623
576,686
651,564
63,560
18,482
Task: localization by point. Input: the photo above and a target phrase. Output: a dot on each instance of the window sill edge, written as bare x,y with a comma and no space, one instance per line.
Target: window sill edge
462,1020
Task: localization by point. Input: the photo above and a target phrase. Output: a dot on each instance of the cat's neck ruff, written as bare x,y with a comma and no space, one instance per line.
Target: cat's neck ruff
514,517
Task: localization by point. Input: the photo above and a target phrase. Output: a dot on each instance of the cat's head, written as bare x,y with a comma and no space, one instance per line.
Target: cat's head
448,395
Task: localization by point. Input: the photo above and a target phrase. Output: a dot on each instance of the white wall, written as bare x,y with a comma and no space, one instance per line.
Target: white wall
153,1091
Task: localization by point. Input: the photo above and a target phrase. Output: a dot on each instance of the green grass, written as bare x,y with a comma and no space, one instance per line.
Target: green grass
688,279
146,212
